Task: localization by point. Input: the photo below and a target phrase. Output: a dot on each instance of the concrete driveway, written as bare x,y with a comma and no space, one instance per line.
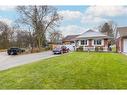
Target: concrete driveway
7,61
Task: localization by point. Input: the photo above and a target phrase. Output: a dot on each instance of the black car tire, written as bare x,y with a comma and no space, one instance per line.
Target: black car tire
11,53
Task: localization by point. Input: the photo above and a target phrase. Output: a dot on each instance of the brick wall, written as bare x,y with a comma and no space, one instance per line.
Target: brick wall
105,42
119,44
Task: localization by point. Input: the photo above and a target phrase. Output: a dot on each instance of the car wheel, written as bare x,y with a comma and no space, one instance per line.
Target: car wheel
11,53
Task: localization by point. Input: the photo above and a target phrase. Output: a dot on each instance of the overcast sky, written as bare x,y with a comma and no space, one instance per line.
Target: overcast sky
77,19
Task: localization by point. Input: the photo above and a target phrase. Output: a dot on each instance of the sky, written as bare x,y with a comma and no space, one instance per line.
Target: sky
77,19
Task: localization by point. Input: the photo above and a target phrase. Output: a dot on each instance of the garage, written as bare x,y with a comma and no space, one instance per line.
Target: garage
125,45
121,40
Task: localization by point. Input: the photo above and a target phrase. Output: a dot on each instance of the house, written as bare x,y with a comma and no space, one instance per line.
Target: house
121,39
90,40
68,40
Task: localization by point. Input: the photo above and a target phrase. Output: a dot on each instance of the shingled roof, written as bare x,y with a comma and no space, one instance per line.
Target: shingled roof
122,31
70,37
92,34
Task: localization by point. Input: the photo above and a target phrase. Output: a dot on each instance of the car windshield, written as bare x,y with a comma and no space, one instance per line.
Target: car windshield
14,48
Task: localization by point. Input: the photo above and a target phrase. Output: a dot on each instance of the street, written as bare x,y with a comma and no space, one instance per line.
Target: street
7,61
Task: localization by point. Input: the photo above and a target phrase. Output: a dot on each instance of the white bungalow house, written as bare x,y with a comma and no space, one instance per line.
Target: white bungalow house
92,39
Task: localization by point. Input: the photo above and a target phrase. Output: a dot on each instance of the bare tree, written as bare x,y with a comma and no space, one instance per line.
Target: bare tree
55,37
114,27
40,19
4,33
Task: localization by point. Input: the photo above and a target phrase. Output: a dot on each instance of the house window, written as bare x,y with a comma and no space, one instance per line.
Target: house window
97,42
83,42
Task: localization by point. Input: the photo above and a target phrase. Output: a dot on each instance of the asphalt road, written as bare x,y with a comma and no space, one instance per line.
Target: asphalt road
7,61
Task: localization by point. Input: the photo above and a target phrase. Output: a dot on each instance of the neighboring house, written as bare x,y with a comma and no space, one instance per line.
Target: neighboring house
69,40
121,39
90,40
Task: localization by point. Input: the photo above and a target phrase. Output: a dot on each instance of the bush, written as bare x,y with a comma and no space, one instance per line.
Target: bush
48,48
80,48
101,48
34,50
96,49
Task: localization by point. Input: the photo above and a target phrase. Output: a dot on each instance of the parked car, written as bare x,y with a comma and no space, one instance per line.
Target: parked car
60,50
57,51
15,51
65,49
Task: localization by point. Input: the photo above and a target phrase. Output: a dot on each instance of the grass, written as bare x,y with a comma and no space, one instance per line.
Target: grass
114,48
78,70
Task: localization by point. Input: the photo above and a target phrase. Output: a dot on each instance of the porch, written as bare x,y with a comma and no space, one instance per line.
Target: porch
97,48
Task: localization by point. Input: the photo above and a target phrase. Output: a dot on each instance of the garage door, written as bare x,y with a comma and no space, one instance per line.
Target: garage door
125,45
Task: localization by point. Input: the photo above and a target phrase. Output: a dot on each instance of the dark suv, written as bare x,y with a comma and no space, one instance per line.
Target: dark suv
15,51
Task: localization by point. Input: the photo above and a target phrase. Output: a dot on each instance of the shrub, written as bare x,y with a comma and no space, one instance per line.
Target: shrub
34,50
96,49
80,48
48,48
101,48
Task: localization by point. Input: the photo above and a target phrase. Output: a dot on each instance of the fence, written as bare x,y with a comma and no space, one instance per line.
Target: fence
71,47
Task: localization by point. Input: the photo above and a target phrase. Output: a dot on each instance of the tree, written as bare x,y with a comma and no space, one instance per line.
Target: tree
114,28
107,29
23,39
55,37
13,37
40,19
4,35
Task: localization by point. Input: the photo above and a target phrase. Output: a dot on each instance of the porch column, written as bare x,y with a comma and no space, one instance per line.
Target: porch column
106,44
79,42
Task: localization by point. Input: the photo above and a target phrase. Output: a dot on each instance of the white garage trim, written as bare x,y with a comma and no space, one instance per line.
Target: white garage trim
125,45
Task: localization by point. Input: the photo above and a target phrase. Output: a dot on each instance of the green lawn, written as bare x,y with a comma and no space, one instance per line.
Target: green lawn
78,70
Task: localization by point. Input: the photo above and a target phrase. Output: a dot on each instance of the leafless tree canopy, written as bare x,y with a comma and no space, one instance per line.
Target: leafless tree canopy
11,37
55,37
40,19
4,35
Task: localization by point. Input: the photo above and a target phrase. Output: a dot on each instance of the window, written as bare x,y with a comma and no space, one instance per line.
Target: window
83,42
97,42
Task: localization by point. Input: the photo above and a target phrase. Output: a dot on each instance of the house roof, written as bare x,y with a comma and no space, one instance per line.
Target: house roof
70,38
92,34
122,31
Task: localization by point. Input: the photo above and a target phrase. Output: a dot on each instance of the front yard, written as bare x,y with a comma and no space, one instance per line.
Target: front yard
78,70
